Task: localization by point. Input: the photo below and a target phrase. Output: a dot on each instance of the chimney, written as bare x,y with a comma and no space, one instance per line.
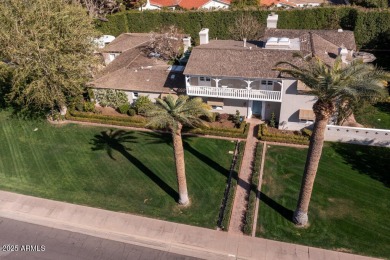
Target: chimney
272,20
204,36
186,43
244,42
343,52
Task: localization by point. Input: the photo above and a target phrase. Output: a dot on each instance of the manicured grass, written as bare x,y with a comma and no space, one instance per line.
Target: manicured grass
376,116
350,205
69,163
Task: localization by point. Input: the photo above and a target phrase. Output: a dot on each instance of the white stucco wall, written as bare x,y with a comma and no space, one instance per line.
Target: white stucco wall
357,135
152,96
231,105
148,6
215,4
291,103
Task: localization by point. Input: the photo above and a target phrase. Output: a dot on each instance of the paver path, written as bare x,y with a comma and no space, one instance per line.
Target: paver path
243,186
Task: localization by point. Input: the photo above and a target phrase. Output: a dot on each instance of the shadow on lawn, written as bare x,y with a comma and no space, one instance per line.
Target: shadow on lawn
370,160
167,139
114,140
285,212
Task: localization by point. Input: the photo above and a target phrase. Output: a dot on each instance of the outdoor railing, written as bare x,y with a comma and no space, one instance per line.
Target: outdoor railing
223,92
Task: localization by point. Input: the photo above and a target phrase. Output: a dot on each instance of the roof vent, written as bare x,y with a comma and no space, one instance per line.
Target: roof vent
340,30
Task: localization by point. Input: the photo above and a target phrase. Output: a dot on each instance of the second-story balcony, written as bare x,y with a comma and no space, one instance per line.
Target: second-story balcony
235,93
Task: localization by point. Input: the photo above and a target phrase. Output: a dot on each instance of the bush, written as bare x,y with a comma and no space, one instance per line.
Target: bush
112,120
124,109
131,112
89,106
110,97
142,104
306,132
241,132
281,137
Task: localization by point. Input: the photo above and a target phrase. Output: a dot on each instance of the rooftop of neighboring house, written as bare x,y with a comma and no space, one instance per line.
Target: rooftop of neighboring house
126,41
292,3
186,4
134,70
256,59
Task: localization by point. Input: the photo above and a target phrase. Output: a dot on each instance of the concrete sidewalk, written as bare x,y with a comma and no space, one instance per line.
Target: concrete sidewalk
157,234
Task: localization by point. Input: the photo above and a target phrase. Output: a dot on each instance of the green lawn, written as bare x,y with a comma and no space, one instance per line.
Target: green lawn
66,163
350,205
376,116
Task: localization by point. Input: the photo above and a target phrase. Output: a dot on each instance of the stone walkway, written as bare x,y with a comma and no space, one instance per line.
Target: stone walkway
243,186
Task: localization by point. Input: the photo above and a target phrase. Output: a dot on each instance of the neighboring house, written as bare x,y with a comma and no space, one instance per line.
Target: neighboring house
185,4
234,75
130,69
287,4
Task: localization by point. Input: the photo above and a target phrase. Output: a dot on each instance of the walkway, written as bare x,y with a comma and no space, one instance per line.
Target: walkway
243,186
162,235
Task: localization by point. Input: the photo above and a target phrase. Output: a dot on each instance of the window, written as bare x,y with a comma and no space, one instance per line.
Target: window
207,79
217,107
135,95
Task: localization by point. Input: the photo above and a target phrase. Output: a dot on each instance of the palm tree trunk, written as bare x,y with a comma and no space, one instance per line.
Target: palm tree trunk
180,166
323,111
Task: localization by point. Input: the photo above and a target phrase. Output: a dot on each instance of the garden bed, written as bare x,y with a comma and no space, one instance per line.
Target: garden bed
271,134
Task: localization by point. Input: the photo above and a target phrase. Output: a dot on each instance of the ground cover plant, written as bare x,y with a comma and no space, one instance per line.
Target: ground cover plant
350,204
376,116
71,163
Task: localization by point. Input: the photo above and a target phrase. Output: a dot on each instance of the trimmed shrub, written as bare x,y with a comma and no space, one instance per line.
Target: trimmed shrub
124,109
281,137
89,106
131,112
142,104
110,97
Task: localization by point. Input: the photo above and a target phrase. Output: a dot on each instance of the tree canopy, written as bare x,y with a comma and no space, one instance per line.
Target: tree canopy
49,44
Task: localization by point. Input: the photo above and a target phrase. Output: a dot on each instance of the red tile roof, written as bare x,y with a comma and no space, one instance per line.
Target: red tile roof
186,4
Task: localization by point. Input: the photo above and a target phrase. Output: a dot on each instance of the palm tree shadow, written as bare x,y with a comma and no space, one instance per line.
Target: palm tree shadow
114,140
166,138
283,211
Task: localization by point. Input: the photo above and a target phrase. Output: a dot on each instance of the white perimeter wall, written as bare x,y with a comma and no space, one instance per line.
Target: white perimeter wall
357,135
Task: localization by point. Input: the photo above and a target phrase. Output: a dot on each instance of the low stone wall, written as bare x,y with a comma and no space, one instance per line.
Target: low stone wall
358,135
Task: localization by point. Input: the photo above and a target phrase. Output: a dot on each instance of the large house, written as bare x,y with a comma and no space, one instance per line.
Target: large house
233,75
185,4
229,75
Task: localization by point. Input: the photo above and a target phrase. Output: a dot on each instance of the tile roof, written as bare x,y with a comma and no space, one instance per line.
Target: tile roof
186,4
126,41
228,58
346,38
133,70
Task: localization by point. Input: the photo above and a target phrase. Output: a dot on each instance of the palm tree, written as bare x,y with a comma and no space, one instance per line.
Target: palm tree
173,113
332,85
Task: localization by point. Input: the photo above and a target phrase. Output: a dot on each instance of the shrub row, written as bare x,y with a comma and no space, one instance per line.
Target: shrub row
264,135
233,184
250,212
241,132
369,25
102,119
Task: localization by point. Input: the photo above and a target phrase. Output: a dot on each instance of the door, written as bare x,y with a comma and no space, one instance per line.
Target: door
256,108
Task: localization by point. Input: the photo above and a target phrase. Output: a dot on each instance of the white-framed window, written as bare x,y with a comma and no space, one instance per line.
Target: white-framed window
204,79
267,84
135,95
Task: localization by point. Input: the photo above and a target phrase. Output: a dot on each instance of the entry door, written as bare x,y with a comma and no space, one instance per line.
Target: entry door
256,108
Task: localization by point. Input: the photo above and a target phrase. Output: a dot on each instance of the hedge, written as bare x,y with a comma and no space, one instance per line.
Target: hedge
102,119
264,135
368,24
241,132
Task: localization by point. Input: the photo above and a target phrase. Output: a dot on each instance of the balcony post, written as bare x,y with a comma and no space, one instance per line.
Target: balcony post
248,88
188,81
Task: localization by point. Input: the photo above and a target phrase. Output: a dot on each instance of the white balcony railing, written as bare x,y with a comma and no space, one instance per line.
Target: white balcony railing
251,94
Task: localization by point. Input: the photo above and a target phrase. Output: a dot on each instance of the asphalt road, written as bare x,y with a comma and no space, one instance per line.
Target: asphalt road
20,240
